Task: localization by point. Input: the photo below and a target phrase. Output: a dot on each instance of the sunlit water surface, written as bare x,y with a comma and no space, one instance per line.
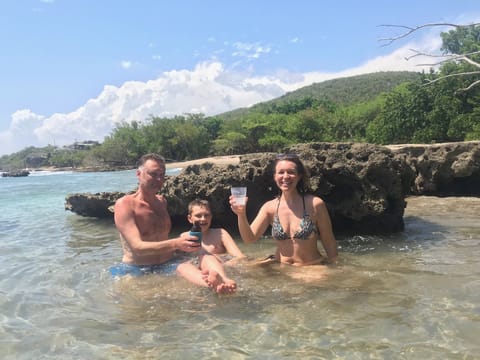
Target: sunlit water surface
413,295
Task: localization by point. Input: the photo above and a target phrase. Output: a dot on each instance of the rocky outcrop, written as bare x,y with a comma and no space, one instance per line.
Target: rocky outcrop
364,185
442,169
93,205
16,173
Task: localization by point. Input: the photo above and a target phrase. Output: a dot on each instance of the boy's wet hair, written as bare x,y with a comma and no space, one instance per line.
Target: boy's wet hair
200,203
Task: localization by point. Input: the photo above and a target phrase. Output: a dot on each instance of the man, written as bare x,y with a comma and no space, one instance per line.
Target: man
144,224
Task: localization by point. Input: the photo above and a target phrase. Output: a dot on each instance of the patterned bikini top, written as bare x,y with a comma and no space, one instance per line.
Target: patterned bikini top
307,226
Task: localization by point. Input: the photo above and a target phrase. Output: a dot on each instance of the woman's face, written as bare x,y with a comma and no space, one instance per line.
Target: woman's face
286,175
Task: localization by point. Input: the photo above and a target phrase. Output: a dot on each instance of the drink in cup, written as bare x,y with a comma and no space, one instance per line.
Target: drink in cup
239,193
196,231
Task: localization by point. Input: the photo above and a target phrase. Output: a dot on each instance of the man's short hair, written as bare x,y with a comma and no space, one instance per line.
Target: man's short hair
151,156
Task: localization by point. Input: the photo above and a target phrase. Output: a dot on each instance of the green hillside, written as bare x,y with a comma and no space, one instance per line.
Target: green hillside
342,91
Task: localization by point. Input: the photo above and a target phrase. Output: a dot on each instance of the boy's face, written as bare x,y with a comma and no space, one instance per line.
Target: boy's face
202,215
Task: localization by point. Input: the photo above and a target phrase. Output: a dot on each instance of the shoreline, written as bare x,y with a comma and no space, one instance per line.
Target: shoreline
223,159
217,160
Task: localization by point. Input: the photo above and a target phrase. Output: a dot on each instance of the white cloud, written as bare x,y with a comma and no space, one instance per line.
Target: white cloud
126,64
250,50
209,88
20,133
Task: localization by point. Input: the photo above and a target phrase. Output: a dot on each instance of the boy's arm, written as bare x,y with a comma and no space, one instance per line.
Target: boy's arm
230,245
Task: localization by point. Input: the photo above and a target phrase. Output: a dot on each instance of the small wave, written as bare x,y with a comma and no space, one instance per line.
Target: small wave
174,171
6,225
47,173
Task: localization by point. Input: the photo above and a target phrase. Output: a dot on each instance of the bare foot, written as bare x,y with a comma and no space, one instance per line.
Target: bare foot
219,284
228,286
213,279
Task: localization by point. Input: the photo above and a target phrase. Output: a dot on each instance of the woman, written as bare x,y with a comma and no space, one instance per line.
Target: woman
298,219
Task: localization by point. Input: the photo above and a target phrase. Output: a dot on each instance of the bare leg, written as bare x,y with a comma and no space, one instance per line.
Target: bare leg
216,278
192,273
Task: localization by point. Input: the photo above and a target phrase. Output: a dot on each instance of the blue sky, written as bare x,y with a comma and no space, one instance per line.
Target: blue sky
73,69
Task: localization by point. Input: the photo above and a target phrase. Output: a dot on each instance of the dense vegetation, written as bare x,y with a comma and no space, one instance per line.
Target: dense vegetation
382,108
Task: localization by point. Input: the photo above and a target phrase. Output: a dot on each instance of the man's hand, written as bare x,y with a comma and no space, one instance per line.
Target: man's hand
188,243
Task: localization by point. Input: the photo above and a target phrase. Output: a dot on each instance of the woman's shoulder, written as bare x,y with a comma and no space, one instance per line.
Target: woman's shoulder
315,200
270,204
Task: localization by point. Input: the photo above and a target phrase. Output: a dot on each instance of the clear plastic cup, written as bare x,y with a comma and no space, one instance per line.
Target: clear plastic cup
239,193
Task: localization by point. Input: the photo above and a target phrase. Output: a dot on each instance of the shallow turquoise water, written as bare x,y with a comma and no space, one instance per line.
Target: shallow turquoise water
413,295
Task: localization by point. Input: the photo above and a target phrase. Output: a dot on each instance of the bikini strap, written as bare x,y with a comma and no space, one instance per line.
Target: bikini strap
278,205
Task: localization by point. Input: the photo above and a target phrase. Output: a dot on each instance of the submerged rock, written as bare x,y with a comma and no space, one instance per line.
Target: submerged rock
16,173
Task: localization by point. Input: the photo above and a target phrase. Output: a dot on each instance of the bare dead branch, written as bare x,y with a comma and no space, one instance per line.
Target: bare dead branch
454,75
410,30
471,85
468,60
419,53
446,58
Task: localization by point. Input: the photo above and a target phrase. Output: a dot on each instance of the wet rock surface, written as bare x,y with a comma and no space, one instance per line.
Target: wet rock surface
364,185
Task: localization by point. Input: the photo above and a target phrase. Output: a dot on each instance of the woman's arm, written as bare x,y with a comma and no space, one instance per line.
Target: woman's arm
324,225
251,233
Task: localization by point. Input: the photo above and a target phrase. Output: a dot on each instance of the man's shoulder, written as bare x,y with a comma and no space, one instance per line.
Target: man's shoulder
125,198
125,201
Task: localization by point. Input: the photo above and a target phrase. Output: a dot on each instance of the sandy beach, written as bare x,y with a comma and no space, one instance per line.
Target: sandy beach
217,160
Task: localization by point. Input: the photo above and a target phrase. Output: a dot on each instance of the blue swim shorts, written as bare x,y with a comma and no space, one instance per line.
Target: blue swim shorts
167,268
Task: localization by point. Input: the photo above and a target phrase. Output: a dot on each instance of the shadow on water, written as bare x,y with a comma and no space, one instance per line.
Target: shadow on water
419,233
89,234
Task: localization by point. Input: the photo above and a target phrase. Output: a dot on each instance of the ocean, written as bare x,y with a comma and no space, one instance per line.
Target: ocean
411,295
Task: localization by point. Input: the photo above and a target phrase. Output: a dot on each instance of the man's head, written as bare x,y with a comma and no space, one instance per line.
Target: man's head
151,172
155,157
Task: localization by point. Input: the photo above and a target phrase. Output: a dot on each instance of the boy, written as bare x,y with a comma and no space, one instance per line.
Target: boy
210,270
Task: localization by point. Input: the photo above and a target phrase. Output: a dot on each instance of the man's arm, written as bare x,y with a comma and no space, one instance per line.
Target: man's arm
125,222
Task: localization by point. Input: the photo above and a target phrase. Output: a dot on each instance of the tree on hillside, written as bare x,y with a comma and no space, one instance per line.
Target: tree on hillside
445,111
